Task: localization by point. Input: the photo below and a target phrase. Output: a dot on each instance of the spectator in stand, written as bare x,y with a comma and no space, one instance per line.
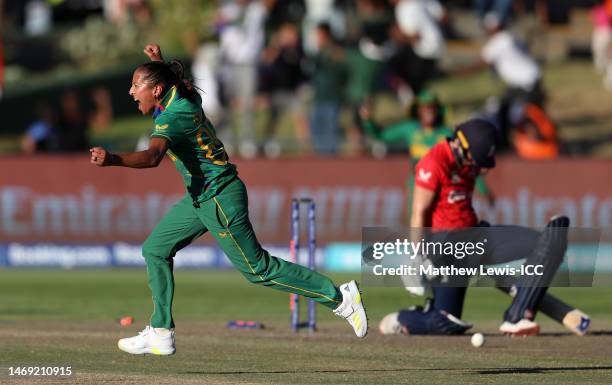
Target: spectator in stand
205,70
72,125
102,115
75,119
40,135
282,80
516,68
601,42
420,45
367,62
501,8
321,12
123,11
242,36
424,127
285,11
535,136
328,79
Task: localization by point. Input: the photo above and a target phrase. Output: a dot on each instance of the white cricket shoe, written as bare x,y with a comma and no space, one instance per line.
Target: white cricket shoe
524,327
149,341
352,310
390,325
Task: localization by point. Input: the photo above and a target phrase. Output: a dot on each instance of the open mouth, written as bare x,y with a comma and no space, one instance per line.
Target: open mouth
138,102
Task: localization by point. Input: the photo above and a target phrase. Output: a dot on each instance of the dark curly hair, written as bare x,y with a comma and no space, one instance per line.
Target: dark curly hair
169,74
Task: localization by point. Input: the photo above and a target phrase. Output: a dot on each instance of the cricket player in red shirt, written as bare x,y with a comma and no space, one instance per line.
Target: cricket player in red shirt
442,207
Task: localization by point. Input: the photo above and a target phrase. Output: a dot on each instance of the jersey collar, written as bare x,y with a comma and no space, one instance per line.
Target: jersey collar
167,99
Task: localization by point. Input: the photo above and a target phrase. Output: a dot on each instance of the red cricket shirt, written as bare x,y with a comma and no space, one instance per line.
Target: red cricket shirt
438,172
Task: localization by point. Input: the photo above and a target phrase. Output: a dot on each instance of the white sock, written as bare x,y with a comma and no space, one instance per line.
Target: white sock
162,331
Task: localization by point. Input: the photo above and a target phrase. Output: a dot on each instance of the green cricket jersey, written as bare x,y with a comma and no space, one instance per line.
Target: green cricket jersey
197,153
409,135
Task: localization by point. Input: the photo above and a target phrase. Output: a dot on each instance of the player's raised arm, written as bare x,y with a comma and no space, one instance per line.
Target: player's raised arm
153,51
151,157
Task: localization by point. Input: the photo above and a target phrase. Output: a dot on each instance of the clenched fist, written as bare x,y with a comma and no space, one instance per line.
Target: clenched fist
99,156
153,51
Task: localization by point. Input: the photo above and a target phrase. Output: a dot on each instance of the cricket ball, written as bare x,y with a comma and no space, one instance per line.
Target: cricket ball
477,340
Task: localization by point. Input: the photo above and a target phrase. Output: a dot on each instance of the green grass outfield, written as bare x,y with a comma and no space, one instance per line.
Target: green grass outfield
70,318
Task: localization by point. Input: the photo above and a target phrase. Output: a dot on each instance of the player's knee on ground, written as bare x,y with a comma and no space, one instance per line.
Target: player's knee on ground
431,322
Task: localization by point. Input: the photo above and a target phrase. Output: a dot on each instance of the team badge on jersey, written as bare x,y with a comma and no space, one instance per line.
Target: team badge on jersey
455,178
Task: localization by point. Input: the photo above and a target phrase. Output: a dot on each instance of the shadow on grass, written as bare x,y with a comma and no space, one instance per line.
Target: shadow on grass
601,333
562,334
322,371
539,370
464,370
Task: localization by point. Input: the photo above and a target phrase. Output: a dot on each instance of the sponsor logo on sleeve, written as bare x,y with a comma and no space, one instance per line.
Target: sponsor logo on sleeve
424,175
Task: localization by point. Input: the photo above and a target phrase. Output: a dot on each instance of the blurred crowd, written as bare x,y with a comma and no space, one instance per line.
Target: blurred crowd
65,126
317,66
337,55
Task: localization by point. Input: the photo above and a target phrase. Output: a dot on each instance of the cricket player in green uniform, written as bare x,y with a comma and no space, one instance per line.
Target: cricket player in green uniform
216,202
425,127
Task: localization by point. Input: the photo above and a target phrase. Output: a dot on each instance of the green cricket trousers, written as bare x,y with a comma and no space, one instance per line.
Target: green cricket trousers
226,217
